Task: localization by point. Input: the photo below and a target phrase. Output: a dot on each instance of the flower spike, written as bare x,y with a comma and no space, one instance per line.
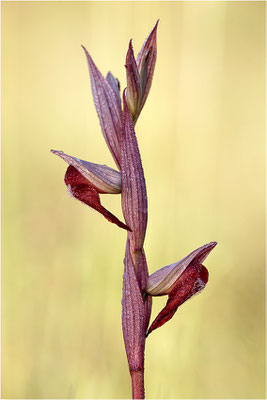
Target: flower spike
86,181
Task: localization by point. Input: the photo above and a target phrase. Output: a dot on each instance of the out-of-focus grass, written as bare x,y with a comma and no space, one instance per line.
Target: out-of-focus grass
201,136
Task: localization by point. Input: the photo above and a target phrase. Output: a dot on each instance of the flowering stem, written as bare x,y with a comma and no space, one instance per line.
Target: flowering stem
138,390
86,181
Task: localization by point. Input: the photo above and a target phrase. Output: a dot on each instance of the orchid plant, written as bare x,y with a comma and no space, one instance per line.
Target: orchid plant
86,181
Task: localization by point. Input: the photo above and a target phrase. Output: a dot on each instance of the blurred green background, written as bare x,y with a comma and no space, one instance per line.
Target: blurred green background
201,137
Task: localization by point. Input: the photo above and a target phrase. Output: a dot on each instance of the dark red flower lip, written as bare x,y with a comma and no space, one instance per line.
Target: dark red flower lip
180,281
85,181
82,190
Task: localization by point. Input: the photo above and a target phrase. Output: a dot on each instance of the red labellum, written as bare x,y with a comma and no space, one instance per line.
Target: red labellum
80,188
191,282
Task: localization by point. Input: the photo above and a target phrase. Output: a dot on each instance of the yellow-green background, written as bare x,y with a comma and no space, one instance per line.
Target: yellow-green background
201,136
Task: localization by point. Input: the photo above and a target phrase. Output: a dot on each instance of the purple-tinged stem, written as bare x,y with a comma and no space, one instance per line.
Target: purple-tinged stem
138,389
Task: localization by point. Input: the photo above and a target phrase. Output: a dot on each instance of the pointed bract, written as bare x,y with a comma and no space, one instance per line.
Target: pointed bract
142,276
107,107
133,315
103,178
133,93
115,85
146,61
133,193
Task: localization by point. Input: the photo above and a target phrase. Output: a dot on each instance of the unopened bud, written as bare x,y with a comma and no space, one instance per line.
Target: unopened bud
140,72
133,93
146,61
